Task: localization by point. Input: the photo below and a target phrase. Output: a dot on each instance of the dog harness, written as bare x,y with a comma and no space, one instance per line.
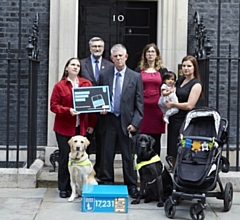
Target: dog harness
79,163
154,159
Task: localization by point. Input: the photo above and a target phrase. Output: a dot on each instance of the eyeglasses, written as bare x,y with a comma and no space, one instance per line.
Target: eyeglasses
97,46
151,51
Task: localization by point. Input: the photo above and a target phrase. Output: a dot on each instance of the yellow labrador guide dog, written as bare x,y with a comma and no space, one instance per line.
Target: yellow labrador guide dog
79,166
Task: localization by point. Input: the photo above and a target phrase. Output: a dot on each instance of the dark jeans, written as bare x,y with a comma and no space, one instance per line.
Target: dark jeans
63,173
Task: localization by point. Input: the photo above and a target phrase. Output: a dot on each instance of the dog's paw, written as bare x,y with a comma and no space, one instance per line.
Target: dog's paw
76,195
135,202
71,199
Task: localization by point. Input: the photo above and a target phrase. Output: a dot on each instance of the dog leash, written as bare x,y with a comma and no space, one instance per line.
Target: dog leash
129,134
134,155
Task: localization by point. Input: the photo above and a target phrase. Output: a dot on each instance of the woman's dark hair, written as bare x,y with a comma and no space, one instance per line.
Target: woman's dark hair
168,75
65,72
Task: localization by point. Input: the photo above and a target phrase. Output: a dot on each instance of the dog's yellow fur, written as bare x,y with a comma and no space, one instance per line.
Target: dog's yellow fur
80,167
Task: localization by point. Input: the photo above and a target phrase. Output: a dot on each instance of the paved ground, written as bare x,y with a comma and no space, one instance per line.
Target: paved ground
44,203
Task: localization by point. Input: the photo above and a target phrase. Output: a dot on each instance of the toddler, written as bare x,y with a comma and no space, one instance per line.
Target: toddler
168,94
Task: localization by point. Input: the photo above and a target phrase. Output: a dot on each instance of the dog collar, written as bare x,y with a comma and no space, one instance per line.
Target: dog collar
154,159
79,163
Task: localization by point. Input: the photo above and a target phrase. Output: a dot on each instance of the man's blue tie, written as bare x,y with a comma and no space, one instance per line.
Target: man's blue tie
96,70
117,94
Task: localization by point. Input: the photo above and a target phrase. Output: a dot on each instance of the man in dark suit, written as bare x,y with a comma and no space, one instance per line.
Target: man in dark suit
126,115
95,64
91,67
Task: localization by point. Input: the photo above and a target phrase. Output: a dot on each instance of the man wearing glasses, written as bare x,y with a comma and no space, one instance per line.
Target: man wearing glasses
91,67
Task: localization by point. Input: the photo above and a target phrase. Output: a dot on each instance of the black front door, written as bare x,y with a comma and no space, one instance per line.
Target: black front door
134,24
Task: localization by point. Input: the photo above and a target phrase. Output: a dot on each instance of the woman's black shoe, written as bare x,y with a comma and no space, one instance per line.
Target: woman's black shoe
63,194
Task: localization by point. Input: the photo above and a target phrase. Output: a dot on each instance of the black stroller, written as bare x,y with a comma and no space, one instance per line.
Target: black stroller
199,162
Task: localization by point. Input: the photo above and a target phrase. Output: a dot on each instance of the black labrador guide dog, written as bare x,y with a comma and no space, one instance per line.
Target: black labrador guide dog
155,181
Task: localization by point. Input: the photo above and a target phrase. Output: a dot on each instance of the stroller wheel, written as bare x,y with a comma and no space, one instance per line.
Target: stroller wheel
169,208
197,211
228,196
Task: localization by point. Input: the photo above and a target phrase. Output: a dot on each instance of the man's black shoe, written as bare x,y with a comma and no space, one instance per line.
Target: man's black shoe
103,182
133,192
63,194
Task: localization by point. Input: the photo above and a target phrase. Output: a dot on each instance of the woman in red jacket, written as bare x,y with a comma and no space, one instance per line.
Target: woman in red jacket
68,122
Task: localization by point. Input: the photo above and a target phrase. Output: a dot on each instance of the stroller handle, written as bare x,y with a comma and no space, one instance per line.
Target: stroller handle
225,121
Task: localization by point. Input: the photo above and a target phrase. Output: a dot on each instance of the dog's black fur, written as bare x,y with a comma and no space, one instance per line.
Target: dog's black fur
155,181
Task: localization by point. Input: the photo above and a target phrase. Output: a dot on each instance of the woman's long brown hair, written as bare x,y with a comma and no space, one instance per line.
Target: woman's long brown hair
65,73
143,64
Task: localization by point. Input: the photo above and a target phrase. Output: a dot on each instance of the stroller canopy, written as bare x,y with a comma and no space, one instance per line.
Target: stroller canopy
201,113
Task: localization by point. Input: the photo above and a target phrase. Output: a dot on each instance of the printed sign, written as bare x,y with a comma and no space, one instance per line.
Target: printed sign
89,204
91,99
104,204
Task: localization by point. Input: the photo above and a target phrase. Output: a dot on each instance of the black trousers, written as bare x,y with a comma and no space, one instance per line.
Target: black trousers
98,146
112,137
63,173
157,145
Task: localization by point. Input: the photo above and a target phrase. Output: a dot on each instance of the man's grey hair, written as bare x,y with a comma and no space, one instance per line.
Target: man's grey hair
118,47
93,39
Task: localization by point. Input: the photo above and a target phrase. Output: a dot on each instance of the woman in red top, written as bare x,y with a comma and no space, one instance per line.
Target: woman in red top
68,122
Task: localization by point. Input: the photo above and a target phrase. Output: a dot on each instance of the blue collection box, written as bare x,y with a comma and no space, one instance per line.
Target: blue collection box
105,198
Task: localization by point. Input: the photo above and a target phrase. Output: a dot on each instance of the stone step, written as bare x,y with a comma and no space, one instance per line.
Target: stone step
48,179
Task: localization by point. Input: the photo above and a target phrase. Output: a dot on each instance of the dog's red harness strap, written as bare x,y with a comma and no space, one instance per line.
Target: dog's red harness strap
154,159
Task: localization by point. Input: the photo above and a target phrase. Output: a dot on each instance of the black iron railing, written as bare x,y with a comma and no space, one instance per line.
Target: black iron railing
220,77
18,88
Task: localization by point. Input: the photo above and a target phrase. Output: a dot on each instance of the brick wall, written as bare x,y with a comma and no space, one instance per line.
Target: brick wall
9,32
229,28
222,30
